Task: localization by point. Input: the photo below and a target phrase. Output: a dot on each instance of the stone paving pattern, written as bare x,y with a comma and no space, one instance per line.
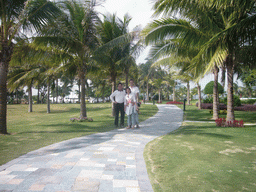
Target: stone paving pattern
102,162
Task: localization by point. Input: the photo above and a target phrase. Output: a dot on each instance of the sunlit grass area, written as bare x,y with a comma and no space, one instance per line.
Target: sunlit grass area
202,157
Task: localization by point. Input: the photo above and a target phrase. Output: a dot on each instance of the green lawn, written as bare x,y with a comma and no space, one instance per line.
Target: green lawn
203,157
30,131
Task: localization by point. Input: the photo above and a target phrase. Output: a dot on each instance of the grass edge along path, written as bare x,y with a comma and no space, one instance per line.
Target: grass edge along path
203,157
31,131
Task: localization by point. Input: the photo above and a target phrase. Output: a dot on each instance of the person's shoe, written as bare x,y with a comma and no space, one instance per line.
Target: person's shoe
132,127
128,127
137,126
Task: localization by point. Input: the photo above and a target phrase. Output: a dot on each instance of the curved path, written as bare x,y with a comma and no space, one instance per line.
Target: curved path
110,161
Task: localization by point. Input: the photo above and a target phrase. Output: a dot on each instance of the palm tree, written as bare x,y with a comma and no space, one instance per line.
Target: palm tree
117,51
219,34
74,34
17,15
158,83
145,71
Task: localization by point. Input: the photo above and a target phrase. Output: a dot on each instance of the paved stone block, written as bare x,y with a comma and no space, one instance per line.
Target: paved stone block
86,186
37,187
15,181
6,178
111,167
125,183
106,186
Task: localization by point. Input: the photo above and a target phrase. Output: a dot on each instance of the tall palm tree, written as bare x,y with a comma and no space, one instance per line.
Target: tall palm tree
117,51
15,16
145,71
75,35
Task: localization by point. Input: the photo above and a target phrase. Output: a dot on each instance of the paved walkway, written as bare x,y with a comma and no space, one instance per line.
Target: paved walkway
110,161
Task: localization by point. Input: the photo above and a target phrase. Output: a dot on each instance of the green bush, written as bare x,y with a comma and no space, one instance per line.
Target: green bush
208,100
248,101
237,101
209,88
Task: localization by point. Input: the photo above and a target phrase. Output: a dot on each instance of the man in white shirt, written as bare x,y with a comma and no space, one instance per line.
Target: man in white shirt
135,90
117,97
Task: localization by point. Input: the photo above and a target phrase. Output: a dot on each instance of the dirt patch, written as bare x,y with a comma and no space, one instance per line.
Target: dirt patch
186,144
235,150
229,142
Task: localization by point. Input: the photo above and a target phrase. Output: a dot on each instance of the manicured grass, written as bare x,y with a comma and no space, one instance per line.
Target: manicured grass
193,114
202,157
30,131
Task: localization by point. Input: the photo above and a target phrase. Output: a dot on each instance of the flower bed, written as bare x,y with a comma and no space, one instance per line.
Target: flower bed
221,122
174,102
81,119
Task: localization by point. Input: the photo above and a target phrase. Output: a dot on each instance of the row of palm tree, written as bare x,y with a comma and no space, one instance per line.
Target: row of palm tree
70,39
207,36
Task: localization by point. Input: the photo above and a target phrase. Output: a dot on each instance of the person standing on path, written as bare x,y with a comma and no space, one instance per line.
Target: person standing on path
130,107
117,97
135,90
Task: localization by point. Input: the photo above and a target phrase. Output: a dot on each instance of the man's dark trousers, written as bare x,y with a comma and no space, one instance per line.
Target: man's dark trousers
119,107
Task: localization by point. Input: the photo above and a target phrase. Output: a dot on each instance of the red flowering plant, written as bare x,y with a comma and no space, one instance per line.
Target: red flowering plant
221,122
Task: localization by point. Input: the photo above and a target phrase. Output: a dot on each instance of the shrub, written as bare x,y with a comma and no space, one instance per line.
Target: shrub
248,101
208,89
208,100
237,101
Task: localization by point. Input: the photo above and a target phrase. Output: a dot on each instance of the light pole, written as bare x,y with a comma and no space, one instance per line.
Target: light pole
184,104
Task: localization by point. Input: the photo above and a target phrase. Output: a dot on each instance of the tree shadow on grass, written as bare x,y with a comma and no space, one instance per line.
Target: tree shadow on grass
75,110
76,127
200,131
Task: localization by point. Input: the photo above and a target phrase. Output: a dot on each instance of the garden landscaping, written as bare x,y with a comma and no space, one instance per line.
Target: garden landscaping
200,156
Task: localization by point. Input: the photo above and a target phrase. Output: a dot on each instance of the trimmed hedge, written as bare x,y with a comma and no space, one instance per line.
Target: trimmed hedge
223,106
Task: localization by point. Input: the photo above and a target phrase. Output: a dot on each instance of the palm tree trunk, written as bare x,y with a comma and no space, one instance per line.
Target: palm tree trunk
82,103
5,57
223,76
30,102
48,96
159,95
3,96
38,94
79,91
188,93
147,92
113,89
57,90
174,96
199,96
215,106
103,92
126,78
167,93
230,101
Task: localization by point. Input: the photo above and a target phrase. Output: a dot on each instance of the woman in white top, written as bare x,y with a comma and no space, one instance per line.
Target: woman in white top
130,108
